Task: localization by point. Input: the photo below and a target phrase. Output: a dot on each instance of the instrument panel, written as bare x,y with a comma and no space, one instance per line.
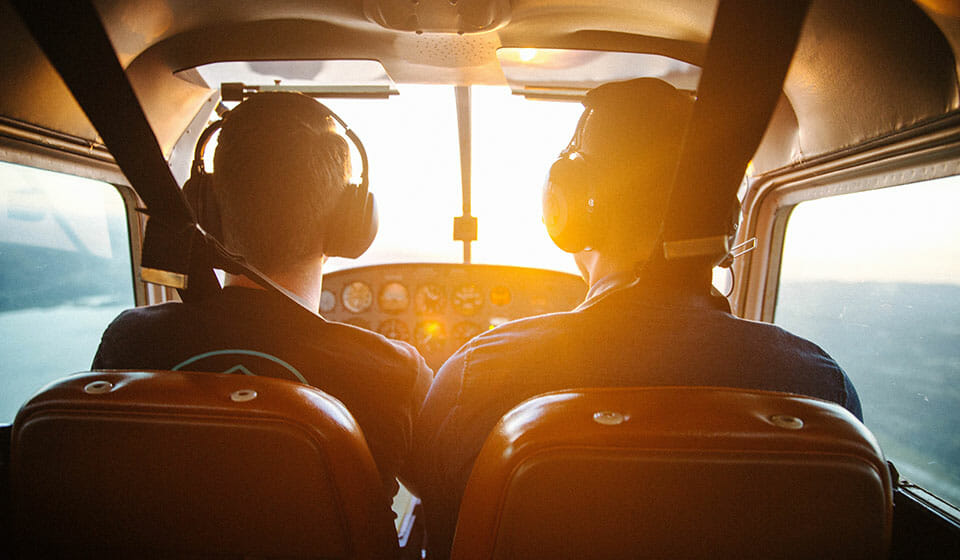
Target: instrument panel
439,306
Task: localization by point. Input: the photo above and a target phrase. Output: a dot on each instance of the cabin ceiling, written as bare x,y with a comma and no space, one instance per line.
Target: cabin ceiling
863,68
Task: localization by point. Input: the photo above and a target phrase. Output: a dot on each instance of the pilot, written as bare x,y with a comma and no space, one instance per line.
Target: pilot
644,321
280,169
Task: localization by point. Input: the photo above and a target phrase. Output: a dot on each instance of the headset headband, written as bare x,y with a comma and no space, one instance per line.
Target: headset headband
574,144
204,139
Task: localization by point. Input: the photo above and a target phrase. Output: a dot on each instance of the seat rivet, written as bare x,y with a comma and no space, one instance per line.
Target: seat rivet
98,387
243,395
608,418
786,421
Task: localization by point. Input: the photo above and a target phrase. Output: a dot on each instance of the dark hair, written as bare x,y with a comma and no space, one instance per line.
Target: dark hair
279,169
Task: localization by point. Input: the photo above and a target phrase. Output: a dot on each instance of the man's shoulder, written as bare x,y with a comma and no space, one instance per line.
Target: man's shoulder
137,336
790,345
373,343
513,346
150,317
801,364
519,334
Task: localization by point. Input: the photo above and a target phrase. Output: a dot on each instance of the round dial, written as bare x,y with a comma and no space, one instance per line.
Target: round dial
394,298
327,301
430,336
395,329
500,295
464,331
467,299
429,299
357,297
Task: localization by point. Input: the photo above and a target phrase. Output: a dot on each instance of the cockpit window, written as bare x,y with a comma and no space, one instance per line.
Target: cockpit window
412,143
874,278
64,275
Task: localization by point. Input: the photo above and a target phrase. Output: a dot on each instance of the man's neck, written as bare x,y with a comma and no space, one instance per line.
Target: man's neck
598,265
303,283
606,272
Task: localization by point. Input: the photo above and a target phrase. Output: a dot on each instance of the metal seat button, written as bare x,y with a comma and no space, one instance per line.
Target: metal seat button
608,418
243,395
786,421
98,387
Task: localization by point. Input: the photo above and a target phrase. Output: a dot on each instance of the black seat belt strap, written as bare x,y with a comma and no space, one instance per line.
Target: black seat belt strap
97,81
176,250
750,50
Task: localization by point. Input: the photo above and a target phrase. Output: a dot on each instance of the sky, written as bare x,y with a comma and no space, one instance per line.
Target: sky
908,233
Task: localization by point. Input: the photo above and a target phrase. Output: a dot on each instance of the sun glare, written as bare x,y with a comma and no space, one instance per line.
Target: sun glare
526,55
411,141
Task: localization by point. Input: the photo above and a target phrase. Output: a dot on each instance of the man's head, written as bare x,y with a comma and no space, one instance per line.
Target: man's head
279,170
628,142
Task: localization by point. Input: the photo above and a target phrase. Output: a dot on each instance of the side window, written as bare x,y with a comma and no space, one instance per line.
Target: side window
874,278
65,273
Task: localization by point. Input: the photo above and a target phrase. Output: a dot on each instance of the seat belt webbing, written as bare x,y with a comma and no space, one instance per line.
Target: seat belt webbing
174,245
750,50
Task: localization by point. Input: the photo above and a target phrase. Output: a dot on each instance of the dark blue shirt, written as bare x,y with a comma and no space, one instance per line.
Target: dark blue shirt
382,382
634,335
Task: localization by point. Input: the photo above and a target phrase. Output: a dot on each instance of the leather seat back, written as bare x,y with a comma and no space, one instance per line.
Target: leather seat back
676,472
140,463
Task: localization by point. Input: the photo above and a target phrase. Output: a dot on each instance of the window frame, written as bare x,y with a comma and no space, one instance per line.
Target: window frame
68,156
929,151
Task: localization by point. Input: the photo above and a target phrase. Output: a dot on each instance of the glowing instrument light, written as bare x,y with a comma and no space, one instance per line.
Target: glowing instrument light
430,337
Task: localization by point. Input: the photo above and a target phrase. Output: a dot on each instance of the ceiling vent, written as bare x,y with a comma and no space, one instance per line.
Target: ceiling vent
438,16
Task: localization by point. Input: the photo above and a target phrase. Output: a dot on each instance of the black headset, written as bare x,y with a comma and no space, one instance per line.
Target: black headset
350,228
572,212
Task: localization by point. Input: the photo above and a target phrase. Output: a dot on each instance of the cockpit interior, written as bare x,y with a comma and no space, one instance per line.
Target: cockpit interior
834,127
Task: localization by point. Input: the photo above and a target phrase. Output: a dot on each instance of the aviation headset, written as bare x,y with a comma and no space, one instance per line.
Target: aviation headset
573,207
570,207
350,228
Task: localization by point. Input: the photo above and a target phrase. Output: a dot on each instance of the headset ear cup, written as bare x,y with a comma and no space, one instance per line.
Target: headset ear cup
365,230
353,225
199,193
567,210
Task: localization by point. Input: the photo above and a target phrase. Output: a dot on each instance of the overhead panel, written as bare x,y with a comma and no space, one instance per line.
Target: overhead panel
566,73
340,78
438,16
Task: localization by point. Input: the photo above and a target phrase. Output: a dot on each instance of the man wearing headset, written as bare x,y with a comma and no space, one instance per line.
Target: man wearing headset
644,321
280,181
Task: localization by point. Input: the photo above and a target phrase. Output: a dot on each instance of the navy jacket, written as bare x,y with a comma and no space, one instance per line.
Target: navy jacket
382,382
637,335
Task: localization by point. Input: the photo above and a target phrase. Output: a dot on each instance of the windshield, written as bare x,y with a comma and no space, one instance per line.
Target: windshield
412,144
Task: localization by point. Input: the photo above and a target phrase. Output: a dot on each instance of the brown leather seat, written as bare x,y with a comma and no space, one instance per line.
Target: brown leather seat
667,472
138,463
